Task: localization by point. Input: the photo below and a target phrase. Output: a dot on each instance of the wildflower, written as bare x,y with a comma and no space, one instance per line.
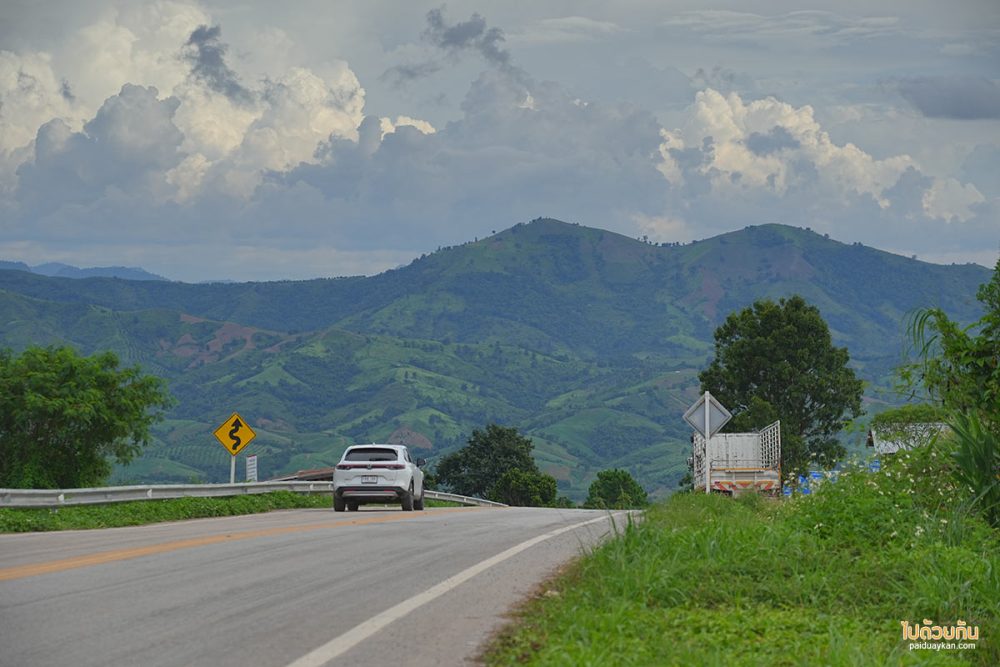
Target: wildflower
893,534
944,520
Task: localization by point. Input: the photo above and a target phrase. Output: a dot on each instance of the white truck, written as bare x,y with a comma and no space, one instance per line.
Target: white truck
738,462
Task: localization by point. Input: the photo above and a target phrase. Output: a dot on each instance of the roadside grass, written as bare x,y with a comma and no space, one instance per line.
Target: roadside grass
825,579
137,513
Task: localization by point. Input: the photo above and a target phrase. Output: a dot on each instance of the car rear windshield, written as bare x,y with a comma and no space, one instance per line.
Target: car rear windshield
371,454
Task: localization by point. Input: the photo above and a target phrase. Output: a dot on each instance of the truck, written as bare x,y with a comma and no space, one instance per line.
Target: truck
736,463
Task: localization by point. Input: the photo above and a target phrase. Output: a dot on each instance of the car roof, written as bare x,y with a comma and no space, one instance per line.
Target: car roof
377,444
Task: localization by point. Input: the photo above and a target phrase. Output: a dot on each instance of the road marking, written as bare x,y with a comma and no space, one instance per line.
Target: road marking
345,642
99,558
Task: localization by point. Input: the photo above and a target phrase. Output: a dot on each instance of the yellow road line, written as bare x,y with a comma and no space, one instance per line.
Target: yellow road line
101,557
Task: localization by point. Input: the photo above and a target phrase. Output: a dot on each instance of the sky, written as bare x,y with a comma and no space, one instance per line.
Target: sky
254,140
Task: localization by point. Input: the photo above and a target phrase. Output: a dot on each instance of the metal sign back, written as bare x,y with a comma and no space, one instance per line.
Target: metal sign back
718,415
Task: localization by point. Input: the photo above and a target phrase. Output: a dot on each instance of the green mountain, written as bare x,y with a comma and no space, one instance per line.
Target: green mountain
587,340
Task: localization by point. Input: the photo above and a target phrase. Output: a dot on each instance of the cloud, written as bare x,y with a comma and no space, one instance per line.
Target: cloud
568,29
457,39
206,53
777,139
521,149
818,27
471,35
122,153
960,98
399,75
205,166
735,162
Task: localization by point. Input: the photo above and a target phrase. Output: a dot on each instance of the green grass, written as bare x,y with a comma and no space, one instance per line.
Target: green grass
21,520
79,517
818,580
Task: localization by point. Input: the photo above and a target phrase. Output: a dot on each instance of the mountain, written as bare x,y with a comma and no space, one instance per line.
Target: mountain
59,270
587,340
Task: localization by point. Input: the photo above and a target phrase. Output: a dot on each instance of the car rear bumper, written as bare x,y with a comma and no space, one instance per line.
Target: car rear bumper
369,493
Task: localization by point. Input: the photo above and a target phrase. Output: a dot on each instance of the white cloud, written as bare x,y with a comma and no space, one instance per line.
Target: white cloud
387,125
949,200
770,147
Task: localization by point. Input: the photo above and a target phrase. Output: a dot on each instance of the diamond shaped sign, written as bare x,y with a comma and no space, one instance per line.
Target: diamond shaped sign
717,415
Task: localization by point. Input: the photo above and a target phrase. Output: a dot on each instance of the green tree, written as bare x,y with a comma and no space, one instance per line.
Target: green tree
62,416
777,361
615,489
960,366
524,488
487,455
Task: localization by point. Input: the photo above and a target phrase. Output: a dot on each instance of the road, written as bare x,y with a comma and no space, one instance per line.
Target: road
286,589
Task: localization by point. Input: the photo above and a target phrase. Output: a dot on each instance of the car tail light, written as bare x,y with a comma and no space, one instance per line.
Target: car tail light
344,466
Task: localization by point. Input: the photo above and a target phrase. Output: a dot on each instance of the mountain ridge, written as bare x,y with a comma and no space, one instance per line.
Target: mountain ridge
587,340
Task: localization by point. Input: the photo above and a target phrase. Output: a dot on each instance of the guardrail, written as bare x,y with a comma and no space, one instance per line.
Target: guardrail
118,494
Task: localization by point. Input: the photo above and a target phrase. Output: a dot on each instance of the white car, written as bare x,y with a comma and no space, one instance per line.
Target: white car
378,474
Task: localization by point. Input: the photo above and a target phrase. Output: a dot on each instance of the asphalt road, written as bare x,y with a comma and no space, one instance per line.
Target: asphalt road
286,589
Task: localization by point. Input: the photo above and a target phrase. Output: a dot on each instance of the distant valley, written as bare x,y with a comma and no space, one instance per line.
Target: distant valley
588,341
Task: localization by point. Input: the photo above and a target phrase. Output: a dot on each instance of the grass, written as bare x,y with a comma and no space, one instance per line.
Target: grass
114,515
818,580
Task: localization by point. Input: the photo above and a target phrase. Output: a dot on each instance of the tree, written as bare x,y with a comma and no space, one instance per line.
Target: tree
524,488
960,367
777,361
487,455
615,489
62,416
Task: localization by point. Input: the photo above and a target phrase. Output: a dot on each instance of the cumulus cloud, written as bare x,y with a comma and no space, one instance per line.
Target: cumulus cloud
736,162
961,98
123,152
521,149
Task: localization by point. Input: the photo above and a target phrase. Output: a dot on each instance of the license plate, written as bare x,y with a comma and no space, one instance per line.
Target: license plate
369,479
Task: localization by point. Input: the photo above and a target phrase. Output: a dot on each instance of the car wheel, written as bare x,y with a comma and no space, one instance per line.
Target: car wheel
352,505
418,504
407,500
339,504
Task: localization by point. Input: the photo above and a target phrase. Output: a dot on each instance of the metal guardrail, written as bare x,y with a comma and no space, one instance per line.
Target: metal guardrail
465,500
118,494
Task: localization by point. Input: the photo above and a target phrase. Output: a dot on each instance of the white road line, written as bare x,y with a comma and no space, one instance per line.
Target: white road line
345,642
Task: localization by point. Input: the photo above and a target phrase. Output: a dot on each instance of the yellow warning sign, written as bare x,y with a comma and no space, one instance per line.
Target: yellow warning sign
234,434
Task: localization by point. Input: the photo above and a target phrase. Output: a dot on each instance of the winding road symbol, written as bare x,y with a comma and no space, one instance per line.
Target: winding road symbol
233,434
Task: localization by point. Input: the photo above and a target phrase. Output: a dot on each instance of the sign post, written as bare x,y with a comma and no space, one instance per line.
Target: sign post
711,420
234,434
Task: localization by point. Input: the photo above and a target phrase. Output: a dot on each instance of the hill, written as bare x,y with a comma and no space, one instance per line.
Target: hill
587,340
59,270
